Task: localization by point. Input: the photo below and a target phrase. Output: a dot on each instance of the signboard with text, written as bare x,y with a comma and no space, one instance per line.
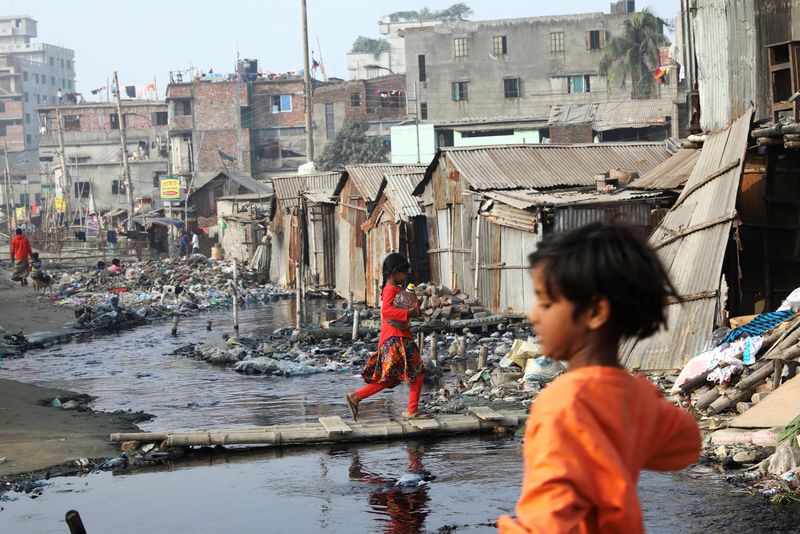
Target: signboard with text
170,188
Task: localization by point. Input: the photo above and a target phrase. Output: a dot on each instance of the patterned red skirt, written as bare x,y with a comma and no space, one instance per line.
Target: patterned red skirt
397,360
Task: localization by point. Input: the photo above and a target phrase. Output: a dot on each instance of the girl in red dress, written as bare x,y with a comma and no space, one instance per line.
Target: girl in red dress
398,358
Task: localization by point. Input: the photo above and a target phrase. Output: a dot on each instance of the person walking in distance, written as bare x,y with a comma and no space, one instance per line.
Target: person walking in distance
20,256
196,242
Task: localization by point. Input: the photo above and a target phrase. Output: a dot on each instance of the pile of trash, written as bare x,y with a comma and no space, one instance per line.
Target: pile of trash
440,303
151,290
15,344
275,356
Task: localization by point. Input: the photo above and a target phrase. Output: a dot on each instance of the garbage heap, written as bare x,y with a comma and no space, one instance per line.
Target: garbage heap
440,303
148,291
746,393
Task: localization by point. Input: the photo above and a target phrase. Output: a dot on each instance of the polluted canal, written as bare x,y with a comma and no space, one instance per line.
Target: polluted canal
469,480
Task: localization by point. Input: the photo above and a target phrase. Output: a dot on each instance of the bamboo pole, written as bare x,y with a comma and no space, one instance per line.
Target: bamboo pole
355,325
235,295
483,357
434,348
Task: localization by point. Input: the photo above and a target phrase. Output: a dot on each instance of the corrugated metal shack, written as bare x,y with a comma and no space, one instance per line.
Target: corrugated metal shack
453,190
246,218
396,224
288,227
357,192
513,222
317,217
692,241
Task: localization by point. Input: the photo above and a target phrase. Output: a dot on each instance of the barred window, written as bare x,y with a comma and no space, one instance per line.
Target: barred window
461,47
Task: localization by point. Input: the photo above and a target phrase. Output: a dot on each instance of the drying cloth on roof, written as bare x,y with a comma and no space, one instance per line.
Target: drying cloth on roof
763,323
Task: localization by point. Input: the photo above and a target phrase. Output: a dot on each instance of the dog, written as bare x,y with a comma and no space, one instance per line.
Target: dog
41,281
170,292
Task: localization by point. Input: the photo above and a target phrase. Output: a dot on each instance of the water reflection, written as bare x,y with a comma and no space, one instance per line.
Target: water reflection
405,506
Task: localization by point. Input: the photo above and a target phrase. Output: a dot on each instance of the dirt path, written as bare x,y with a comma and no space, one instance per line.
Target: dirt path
35,435
21,310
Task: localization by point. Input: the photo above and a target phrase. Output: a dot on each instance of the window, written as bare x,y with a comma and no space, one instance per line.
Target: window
157,178
579,84
281,103
113,121
160,118
52,61
423,111
36,77
423,74
26,97
595,40
24,199
28,141
115,189
183,107
53,81
69,64
460,91
511,88
82,189
72,122
79,160
355,100
500,45
62,63
25,76
27,118
38,99
461,47
330,127
3,107
556,42
2,130
44,99
391,99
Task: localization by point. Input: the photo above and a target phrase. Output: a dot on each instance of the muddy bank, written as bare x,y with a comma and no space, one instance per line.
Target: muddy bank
23,311
36,436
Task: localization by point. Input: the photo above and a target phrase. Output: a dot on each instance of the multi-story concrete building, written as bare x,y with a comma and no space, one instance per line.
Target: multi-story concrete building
94,154
392,59
31,75
517,67
380,102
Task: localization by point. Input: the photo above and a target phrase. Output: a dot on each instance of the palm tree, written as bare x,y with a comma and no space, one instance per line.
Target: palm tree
634,54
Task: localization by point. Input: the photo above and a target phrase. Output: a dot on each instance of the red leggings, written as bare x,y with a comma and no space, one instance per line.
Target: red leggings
413,396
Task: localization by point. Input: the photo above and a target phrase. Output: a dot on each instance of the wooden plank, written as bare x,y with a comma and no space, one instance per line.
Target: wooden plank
335,425
485,413
424,424
778,409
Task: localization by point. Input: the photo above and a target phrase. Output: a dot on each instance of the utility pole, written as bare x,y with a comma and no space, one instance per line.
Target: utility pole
8,194
307,91
64,169
126,170
416,118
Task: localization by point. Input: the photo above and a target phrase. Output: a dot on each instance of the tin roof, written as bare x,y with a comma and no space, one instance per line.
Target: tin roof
544,166
613,115
671,174
691,242
399,190
289,187
529,199
368,177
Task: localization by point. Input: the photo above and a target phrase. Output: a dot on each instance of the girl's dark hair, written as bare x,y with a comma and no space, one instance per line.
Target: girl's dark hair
608,260
394,263
115,261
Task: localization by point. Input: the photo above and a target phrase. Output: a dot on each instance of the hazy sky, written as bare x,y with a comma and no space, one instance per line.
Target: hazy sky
146,38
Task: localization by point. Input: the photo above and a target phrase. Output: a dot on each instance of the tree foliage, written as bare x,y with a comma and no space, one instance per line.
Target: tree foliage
351,144
367,45
634,54
458,11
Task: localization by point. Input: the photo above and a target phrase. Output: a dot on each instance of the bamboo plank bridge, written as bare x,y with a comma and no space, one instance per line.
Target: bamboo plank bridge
334,429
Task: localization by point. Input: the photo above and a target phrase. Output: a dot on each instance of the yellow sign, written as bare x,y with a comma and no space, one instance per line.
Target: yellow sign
170,188
60,205
22,214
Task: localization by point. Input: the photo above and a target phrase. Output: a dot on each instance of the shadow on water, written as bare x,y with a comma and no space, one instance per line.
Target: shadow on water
336,488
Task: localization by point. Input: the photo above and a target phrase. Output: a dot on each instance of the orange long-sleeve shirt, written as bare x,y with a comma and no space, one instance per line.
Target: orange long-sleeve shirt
390,311
589,434
20,248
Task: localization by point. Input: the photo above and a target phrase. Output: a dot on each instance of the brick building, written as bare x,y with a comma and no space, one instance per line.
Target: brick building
381,102
94,156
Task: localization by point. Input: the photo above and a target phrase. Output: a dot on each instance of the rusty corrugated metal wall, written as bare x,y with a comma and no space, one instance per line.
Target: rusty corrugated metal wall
351,213
321,244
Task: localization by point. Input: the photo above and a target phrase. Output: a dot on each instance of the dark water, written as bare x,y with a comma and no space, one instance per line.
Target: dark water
333,489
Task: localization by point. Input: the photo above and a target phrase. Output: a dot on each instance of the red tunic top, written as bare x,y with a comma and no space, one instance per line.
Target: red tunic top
389,311
20,248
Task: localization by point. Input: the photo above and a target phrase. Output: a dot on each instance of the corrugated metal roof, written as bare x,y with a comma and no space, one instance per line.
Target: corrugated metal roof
544,166
399,190
612,115
320,197
691,242
289,187
671,174
369,176
201,178
528,199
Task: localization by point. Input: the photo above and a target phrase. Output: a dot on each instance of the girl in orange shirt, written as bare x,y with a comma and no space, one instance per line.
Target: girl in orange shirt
592,431
398,358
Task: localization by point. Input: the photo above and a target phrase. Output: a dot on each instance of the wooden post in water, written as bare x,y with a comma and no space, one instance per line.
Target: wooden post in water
421,342
235,298
462,346
175,326
483,357
73,520
350,300
355,325
298,313
208,325
434,348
